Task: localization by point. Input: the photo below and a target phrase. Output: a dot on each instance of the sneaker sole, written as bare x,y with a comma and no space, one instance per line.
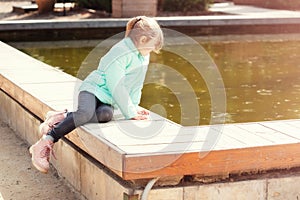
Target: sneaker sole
34,164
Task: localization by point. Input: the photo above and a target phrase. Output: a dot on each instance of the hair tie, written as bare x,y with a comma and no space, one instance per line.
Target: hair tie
137,20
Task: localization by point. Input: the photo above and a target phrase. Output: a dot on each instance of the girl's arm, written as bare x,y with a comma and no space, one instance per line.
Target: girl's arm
115,76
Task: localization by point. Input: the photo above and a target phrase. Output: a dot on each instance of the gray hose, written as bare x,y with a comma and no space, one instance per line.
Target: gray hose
148,188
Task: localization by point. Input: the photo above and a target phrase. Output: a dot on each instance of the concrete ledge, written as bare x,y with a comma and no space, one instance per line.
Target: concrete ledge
30,30
223,20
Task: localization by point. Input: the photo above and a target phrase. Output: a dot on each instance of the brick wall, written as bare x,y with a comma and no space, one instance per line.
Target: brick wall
131,8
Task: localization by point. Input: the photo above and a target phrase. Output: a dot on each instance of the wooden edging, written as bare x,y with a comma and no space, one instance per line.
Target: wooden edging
214,163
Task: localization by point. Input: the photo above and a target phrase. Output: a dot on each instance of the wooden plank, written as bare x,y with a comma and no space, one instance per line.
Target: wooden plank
36,75
11,89
26,99
121,135
13,58
162,128
60,105
164,148
288,128
294,122
214,163
129,131
179,147
52,91
267,133
244,136
169,139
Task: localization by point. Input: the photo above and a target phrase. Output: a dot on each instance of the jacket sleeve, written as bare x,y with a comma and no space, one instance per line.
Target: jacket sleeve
137,92
136,96
115,80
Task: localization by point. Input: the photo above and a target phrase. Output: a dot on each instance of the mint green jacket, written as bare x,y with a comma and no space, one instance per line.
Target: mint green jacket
119,79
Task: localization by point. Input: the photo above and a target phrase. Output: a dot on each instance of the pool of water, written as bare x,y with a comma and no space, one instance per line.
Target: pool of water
260,75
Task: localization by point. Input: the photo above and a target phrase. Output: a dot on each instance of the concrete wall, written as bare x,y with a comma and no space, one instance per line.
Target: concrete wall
47,30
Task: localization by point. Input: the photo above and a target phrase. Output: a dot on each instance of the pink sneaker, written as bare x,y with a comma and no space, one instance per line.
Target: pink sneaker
40,153
52,118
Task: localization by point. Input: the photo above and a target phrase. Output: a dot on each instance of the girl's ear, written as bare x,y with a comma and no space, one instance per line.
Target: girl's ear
143,39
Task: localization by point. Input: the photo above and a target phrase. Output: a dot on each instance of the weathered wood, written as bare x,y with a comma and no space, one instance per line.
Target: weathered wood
214,163
210,179
130,197
288,128
273,135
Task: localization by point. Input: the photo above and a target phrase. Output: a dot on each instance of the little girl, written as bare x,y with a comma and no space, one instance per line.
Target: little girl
117,82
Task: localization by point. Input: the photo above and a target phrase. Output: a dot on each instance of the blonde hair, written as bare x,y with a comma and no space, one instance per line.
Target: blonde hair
145,26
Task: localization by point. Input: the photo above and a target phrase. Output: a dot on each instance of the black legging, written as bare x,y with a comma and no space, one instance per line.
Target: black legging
90,110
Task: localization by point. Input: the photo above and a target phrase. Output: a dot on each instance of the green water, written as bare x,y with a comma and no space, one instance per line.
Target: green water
260,74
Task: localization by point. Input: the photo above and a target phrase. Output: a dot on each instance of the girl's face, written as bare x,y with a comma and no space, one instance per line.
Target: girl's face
146,46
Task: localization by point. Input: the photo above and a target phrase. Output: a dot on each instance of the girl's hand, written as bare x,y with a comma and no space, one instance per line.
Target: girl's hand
143,112
140,117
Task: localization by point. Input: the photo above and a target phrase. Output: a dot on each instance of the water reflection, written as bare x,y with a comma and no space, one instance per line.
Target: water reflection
261,78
